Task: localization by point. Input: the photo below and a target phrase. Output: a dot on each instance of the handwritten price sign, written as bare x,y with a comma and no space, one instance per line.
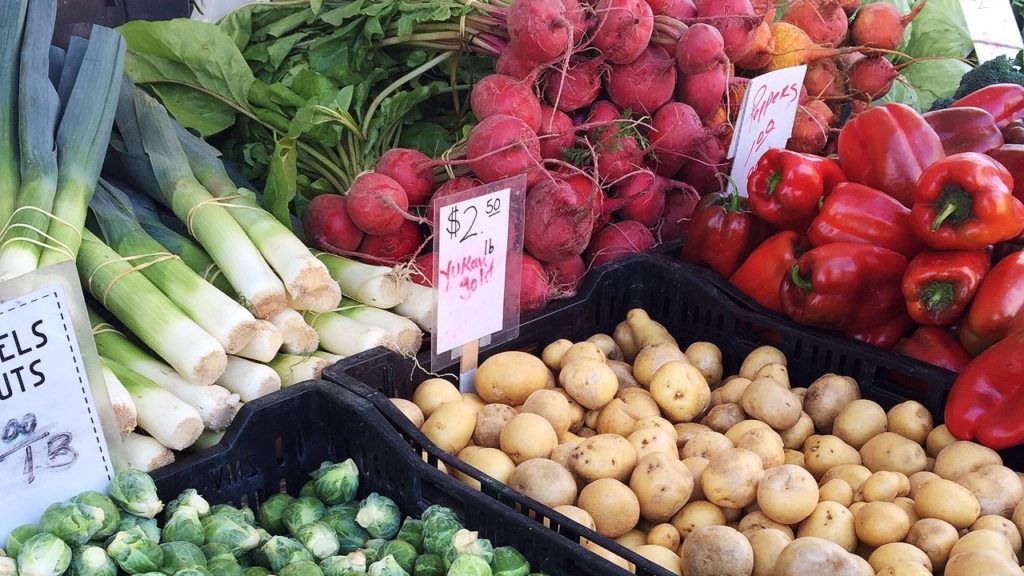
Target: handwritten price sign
993,28
765,120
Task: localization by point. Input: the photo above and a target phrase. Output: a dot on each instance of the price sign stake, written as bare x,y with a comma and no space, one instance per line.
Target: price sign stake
478,244
765,120
993,28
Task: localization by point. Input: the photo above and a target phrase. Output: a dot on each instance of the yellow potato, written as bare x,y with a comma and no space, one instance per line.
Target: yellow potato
553,407
687,430
911,420
794,457
577,515
830,521
582,351
730,392
490,461
434,392
410,411
757,520
723,416
545,481
883,486
651,358
624,372
997,488
775,371
647,332
662,485
961,457
615,418
853,474
696,514
552,354
664,535
716,550
935,538
811,556
639,402
1002,525
767,545
451,426
740,428
696,465
653,440
589,382
771,402
793,438
661,556
949,501
826,397
474,401
859,421
564,450
981,562
904,568
731,478
657,422
705,444
890,451
632,539
603,456
623,336
510,378
836,490
787,494
758,358
909,506
765,443
490,421
918,479
680,391
528,436
938,439
609,556
607,345
613,506
707,357
826,453
984,539
879,523
893,553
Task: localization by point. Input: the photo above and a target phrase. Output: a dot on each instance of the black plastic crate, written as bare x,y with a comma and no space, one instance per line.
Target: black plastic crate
76,17
276,441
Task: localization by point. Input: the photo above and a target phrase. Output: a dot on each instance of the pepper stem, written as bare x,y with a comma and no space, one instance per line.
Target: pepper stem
774,179
937,295
956,207
799,280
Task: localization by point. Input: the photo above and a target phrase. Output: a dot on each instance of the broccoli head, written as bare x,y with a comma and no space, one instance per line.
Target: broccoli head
1001,70
941,104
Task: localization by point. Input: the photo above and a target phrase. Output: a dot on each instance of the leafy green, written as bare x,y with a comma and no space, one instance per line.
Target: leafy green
934,79
940,30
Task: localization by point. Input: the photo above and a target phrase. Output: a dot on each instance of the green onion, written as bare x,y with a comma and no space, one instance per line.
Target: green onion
12,22
250,380
170,421
378,286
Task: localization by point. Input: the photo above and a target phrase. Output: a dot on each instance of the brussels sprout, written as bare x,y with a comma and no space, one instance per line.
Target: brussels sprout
469,565
507,561
301,568
147,525
135,492
336,483
92,561
215,551
538,574
308,490
438,531
346,508
135,552
379,515
8,567
237,536
150,574
241,515
111,515
190,498
282,550
412,532
386,566
438,510
264,536
301,512
73,523
43,555
271,514
403,552
351,536
354,563
466,542
19,535
374,544
196,571
319,538
181,555
428,565
255,571
184,526
223,566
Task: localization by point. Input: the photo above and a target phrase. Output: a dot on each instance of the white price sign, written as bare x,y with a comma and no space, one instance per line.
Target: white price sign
993,28
51,441
765,120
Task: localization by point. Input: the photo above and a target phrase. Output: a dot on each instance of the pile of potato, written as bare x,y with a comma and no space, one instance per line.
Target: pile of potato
647,444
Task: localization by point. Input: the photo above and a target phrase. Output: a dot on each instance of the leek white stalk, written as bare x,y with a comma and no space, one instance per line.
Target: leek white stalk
332,358
216,406
250,380
208,439
306,279
378,286
343,335
295,369
120,400
12,22
206,218
144,309
163,415
298,337
145,453
403,334
264,344
223,318
418,306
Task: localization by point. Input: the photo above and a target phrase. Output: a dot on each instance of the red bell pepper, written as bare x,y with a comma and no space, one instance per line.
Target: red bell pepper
844,286
885,334
938,286
936,346
1013,133
856,213
985,401
761,273
1011,156
965,202
999,298
1005,102
786,187
965,129
722,233
887,147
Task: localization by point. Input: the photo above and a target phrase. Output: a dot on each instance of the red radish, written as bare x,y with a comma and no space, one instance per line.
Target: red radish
512,63
453,186
617,156
558,221
577,18
422,270
872,77
811,127
680,201
412,170
645,84
503,146
555,133
586,188
539,28
823,79
880,25
617,240
624,29
565,276
703,168
377,204
823,20
397,246
603,112
736,21
578,87
761,49
699,49
678,9
328,225
704,91
499,94
849,6
534,288
634,186
647,207
675,132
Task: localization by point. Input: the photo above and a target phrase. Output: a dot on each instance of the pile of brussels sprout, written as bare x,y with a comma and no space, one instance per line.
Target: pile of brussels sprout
322,532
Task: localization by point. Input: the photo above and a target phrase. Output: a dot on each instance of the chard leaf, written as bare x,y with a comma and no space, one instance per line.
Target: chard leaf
193,109
280,187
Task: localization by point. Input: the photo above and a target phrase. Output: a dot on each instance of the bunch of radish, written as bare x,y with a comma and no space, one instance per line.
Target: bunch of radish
620,113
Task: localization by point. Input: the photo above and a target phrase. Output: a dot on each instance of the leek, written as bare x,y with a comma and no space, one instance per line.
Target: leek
208,439
418,305
265,344
295,369
403,334
144,309
216,406
57,57
306,279
250,380
378,286
332,358
125,415
12,22
207,220
38,106
145,453
340,334
297,336
165,417
72,64
82,140
223,318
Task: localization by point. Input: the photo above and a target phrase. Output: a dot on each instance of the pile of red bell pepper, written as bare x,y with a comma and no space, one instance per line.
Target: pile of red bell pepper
905,241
